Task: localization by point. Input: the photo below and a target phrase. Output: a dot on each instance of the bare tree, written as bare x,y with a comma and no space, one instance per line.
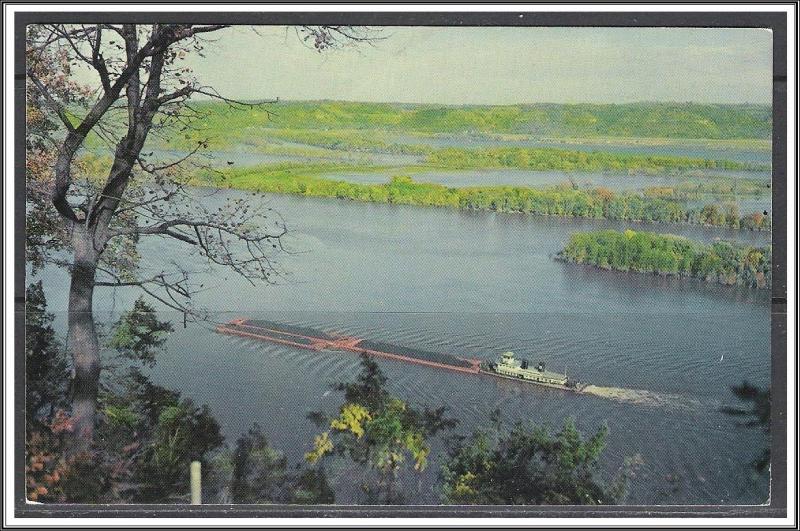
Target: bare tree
144,87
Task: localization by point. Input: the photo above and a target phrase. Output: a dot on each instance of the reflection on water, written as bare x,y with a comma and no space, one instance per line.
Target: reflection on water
476,284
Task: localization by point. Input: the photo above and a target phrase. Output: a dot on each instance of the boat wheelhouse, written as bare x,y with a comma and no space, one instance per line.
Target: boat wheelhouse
509,365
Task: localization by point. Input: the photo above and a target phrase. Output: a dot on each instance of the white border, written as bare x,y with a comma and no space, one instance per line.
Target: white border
9,259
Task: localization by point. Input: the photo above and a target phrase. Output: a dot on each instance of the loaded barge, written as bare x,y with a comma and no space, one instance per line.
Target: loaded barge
506,366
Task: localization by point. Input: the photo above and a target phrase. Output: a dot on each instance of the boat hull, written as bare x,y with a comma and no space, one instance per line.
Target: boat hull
573,389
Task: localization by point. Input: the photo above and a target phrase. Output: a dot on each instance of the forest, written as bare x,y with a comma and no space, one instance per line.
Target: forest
664,254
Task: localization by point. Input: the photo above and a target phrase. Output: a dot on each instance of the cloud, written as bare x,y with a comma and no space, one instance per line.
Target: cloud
499,65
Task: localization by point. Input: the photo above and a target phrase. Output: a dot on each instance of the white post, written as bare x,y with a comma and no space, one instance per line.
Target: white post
195,482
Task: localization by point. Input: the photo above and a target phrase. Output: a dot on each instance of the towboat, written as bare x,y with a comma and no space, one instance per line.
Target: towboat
508,366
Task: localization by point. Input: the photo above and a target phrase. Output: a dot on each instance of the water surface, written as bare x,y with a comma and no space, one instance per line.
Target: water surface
676,148
475,284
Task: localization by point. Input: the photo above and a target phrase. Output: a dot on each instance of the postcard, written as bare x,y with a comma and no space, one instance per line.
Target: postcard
290,265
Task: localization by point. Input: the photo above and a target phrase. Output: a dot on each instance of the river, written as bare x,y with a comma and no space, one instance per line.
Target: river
702,149
475,284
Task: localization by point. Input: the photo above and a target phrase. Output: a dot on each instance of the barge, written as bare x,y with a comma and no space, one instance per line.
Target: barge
506,366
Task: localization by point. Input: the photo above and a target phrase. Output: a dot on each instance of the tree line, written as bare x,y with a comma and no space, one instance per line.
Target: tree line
646,252
573,160
642,120
561,201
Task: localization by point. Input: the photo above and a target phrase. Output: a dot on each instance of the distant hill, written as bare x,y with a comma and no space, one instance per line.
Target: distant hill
642,120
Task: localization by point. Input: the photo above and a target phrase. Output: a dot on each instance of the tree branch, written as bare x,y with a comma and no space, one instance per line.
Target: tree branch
150,168
98,62
51,102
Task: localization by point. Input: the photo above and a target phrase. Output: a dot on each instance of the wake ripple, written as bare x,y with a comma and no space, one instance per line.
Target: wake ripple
644,398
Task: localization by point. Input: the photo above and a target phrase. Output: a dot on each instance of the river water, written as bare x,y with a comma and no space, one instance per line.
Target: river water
474,285
679,148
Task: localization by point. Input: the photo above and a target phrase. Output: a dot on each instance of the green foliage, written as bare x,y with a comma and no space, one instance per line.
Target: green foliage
759,415
84,480
182,434
718,186
562,201
148,399
139,335
665,254
258,469
46,364
566,160
527,465
148,434
651,120
49,475
311,486
756,221
377,431
259,475
121,416
369,389
323,128
337,126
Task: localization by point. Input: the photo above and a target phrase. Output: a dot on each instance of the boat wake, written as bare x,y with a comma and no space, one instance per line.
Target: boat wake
643,397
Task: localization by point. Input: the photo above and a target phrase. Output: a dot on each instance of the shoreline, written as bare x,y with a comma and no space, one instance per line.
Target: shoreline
560,202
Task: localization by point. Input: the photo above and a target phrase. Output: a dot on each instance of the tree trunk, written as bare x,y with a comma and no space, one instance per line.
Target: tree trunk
82,340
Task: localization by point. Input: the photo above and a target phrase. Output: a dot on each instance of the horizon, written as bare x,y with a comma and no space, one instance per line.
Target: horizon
516,104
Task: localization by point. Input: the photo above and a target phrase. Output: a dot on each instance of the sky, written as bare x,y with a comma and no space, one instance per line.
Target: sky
461,65
492,65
